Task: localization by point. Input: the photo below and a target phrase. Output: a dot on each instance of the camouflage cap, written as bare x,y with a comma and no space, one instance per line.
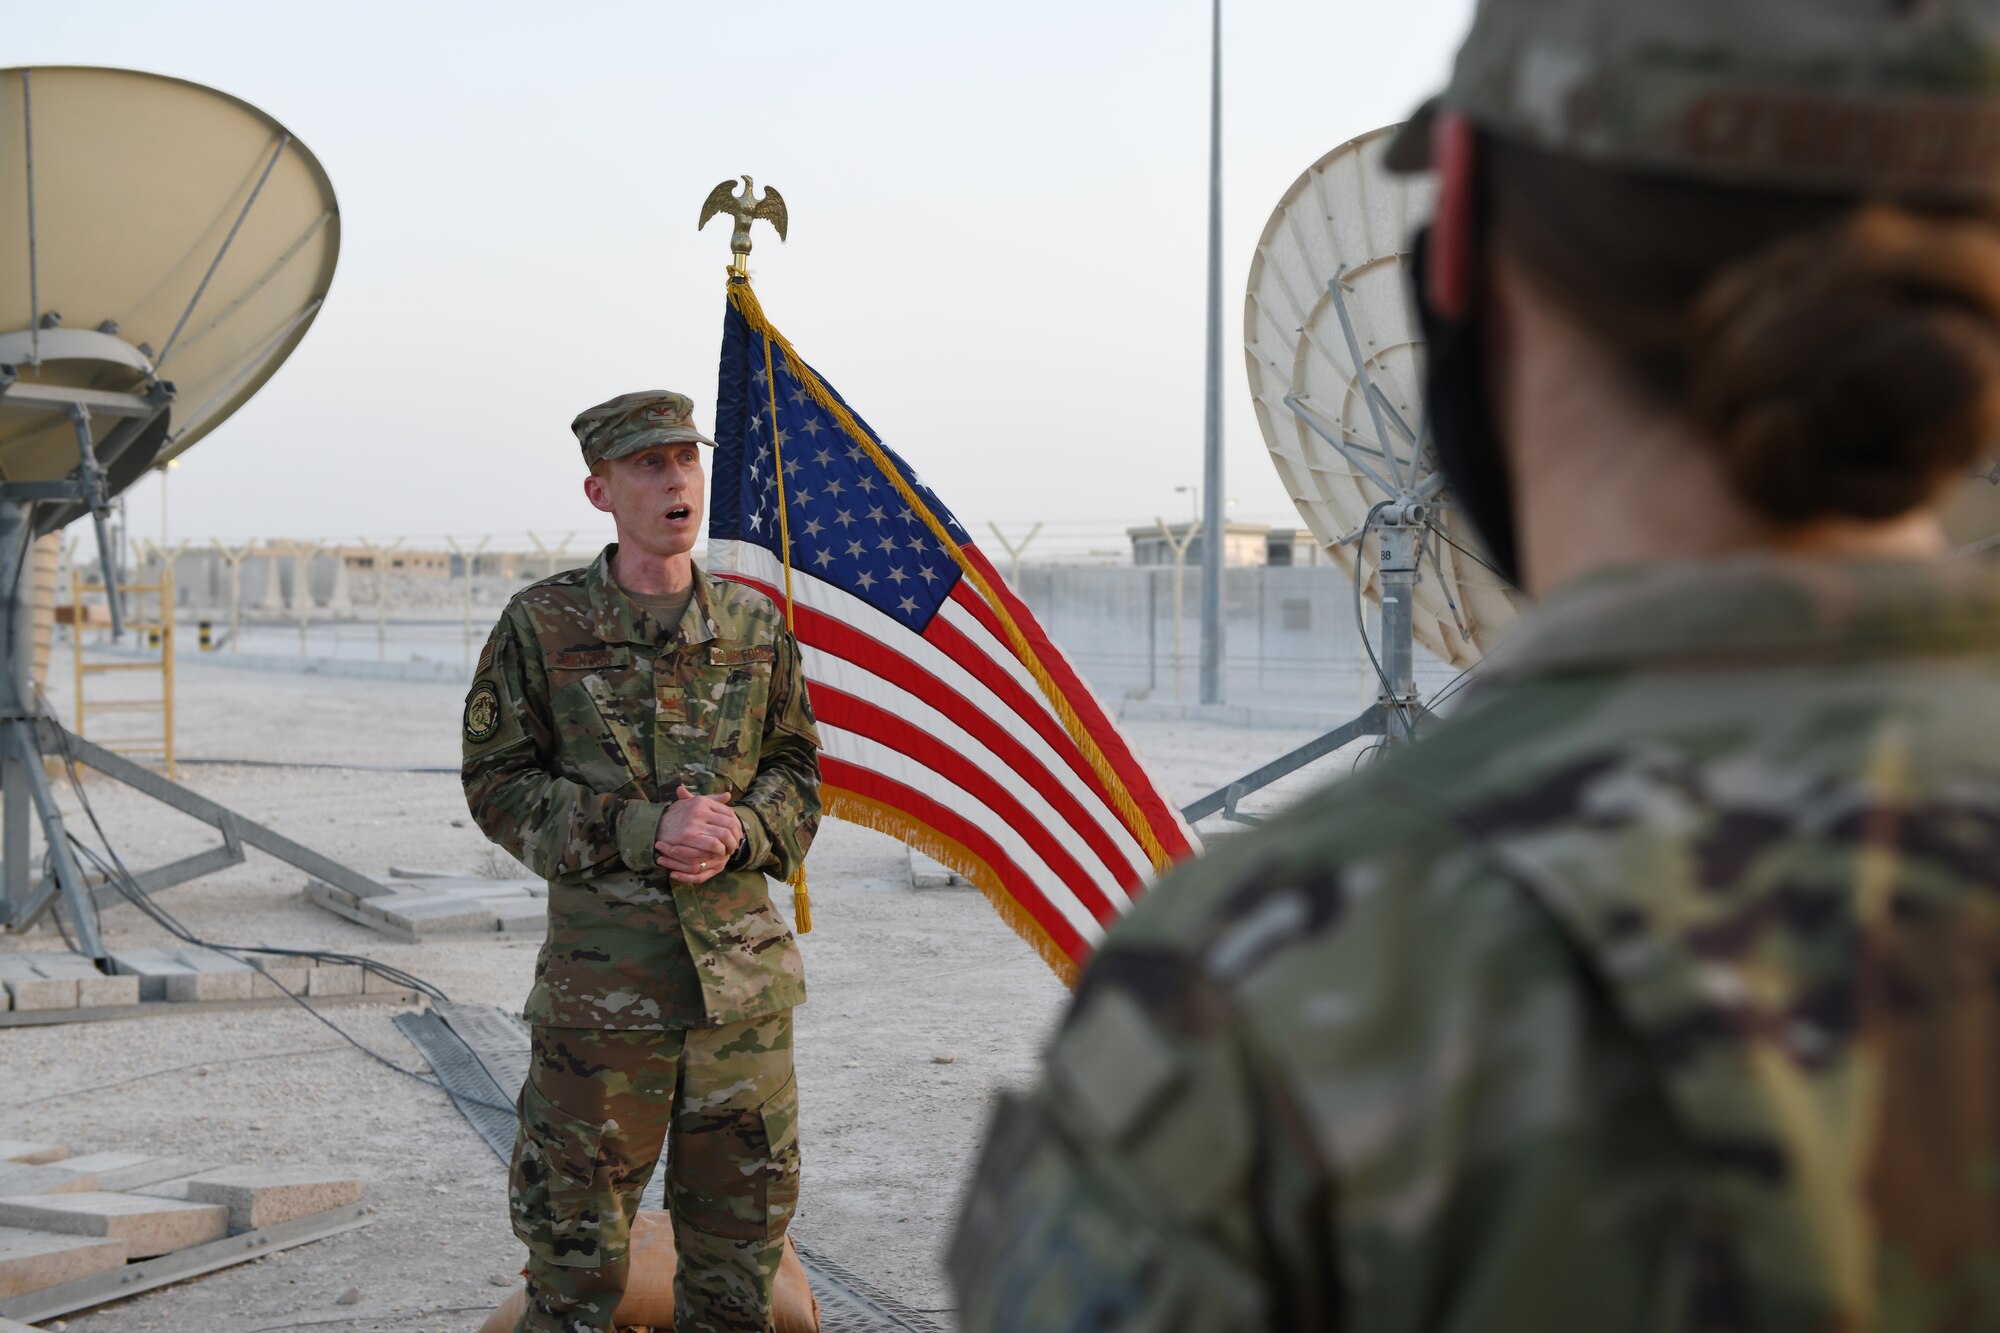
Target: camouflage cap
1845,96
634,421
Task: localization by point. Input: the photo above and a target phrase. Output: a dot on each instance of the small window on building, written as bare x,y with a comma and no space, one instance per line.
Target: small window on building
1298,612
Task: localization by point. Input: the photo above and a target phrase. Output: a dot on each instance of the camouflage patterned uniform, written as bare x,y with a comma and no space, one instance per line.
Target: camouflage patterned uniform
661,1011
1657,990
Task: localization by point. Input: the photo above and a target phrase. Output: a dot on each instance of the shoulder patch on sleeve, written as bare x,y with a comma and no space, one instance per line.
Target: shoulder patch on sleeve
1116,1066
482,713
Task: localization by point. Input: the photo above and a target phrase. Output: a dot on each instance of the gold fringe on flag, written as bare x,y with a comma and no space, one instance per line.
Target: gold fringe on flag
858,809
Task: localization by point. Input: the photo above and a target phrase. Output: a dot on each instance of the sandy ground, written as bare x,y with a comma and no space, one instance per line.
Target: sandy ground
900,979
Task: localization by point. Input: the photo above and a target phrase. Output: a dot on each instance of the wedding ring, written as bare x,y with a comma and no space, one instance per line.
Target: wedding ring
704,865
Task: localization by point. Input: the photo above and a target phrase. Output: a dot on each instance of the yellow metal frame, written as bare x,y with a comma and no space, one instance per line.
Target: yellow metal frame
163,744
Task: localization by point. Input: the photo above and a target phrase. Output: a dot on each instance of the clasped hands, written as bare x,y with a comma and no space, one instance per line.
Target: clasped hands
697,836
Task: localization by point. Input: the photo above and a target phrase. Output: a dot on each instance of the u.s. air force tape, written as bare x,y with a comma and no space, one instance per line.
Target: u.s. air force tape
482,714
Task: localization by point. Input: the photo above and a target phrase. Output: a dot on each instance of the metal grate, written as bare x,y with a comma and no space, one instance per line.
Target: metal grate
465,1079
474,1049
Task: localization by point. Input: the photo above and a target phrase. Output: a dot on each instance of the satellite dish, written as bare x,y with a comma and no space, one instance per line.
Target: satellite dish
167,246
1336,374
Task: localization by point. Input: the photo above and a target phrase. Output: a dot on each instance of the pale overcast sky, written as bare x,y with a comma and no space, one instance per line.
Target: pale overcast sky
998,221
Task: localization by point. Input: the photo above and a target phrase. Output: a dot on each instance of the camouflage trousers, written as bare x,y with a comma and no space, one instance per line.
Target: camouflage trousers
595,1111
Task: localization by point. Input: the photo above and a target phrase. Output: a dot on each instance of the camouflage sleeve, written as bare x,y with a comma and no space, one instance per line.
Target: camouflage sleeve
1128,1191
552,824
781,809
1311,1084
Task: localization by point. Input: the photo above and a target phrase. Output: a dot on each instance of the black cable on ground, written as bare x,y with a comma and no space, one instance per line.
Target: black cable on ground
374,1318
171,1069
122,880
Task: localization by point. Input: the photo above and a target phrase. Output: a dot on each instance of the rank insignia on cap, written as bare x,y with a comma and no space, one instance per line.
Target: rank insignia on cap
482,714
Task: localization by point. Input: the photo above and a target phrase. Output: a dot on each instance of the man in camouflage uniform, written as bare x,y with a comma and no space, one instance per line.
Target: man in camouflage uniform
1659,989
640,734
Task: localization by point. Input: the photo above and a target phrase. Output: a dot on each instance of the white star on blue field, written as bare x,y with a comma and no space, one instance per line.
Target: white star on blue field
849,526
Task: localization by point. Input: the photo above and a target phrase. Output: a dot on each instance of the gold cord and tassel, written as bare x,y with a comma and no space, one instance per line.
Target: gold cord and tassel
801,900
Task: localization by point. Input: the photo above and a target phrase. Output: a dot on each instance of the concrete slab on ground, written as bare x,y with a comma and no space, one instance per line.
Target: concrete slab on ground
24,974
146,978
426,904
131,1170
55,1178
152,967
26,993
926,873
277,978
263,1196
334,979
210,976
33,1260
148,1226
22,1150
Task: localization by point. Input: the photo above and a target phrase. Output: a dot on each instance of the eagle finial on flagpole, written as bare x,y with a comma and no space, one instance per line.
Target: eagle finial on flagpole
746,208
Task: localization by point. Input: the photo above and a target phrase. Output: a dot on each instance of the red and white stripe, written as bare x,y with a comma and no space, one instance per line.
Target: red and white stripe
950,730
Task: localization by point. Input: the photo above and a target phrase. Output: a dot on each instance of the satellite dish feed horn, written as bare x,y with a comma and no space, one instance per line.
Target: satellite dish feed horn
223,271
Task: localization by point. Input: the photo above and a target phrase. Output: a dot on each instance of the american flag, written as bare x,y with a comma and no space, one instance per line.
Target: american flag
946,717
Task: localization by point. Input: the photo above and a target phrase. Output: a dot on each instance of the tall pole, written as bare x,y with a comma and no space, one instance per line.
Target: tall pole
1212,496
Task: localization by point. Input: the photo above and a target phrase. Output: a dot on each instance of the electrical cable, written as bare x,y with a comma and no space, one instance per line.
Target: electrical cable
121,878
1471,555
374,1318
1452,686
171,1069
1459,681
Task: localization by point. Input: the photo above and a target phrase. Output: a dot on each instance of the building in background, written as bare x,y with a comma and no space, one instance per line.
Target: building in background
1244,544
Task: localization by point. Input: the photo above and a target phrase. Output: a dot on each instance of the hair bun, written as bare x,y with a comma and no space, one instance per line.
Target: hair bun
1850,371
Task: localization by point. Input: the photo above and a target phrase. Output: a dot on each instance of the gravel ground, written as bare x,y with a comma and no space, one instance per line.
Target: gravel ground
923,1006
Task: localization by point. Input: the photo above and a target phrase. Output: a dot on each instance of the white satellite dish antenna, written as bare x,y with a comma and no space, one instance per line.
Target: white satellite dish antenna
170,245
1335,358
166,247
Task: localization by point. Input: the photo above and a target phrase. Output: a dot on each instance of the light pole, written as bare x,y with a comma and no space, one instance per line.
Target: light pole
1211,548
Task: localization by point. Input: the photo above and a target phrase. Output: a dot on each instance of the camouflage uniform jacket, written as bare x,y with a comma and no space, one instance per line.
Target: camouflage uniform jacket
583,716
1657,990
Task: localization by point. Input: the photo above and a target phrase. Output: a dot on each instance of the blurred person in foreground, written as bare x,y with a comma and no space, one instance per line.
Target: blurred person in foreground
639,733
1660,988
